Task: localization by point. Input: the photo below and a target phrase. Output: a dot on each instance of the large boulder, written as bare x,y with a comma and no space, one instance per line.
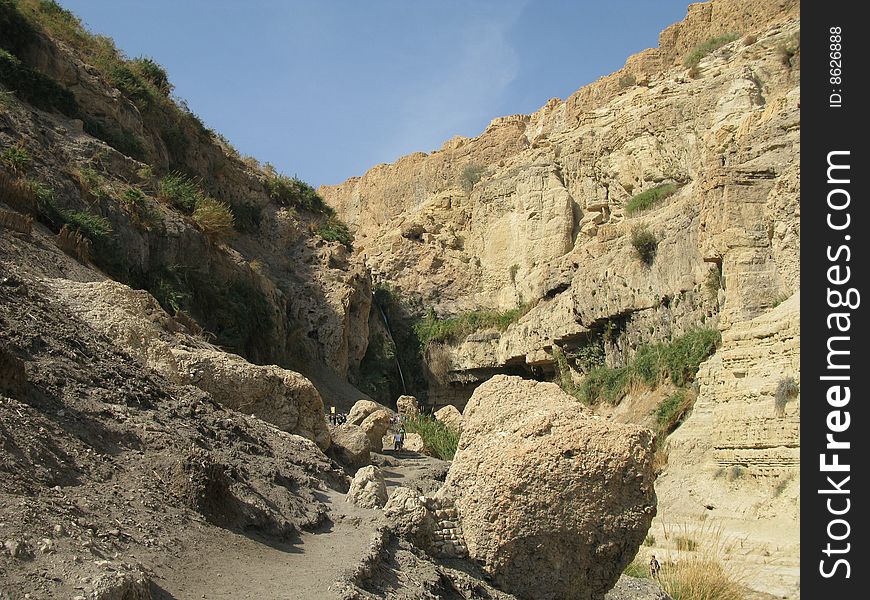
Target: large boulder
281,397
375,427
553,501
409,515
362,409
407,406
350,446
136,323
450,416
368,488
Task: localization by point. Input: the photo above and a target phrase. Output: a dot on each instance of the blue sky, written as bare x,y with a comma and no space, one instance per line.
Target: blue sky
326,89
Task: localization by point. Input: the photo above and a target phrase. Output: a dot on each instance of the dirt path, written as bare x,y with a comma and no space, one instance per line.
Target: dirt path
232,566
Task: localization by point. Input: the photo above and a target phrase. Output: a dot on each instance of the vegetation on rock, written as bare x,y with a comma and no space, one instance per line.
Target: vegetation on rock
453,329
708,46
645,243
649,198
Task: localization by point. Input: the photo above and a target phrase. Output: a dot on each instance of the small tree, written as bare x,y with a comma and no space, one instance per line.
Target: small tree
645,243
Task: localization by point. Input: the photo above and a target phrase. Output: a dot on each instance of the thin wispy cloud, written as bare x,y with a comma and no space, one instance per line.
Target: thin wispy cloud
458,95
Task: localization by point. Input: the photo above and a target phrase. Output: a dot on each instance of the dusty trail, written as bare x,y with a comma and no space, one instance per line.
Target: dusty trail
230,565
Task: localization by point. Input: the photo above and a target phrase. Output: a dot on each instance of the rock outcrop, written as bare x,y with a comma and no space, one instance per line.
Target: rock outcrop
368,489
450,416
362,409
375,426
138,324
350,446
552,500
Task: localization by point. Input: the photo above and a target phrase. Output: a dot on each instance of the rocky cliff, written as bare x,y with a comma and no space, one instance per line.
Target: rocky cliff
96,142
658,200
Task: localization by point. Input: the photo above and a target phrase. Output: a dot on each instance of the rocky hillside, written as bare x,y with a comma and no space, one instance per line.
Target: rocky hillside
97,143
604,240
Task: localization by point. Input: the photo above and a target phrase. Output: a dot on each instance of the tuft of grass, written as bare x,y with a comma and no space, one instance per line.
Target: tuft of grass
649,540
699,579
649,198
94,227
789,49
152,72
685,543
180,191
16,158
20,194
671,411
706,47
787,389
645,243
637,569
334,230
214,217
437,437
454,329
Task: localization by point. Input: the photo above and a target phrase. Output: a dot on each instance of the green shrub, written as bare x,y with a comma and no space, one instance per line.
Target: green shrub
153,73
590,355
645,243
671,411
649,198
248,217
333,230
787,389
706,47
471,174
133,196
132,85
180,191
677,360
292,191
94,227
713,283
454,329
699,579
16,158
627,80
214,217
441,440
649,540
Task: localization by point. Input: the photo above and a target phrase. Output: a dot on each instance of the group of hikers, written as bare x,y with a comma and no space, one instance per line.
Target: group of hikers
336,418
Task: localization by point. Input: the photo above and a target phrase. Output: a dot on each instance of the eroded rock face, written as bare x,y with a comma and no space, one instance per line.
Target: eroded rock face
350,445
553,501
134,319
368,489
407,406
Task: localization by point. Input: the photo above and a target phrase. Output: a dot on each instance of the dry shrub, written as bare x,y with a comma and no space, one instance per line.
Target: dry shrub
214,217
699,569
699,579
18,193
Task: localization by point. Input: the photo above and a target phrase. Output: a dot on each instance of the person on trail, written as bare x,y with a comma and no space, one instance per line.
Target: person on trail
401,438
397,441
654,567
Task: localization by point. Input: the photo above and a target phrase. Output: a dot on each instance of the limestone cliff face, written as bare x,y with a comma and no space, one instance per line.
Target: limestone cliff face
534,210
